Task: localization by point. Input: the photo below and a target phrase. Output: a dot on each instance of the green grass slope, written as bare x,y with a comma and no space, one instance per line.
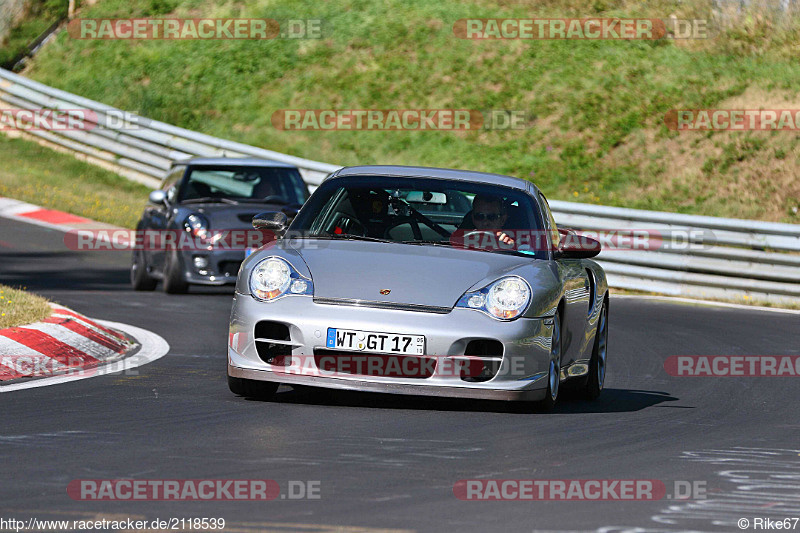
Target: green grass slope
45,177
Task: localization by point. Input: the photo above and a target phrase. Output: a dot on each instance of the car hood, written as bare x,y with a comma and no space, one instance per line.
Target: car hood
225,216
414,274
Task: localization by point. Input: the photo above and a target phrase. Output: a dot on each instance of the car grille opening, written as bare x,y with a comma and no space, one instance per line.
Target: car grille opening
374,365
483,359
270,352
229,268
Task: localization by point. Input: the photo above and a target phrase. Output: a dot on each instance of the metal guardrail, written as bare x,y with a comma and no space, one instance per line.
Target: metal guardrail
142,153
702,257
729,259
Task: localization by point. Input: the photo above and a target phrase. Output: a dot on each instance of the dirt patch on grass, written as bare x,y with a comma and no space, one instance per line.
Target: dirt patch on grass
726,173
760,98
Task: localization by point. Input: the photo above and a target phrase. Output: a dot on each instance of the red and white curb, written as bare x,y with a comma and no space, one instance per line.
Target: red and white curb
63,221
68,346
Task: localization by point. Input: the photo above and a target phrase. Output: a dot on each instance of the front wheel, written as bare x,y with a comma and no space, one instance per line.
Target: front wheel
597,365
140,279
263,390
174,278
554,368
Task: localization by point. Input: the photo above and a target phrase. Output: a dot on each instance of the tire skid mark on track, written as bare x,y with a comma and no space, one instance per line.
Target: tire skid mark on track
767,484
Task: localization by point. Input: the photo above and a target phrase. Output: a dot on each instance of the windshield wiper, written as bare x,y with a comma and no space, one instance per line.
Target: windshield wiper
526,253
210,199
518,253
432,243
347,237
277,201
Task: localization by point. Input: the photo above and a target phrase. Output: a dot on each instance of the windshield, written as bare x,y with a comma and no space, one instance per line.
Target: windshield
247,183
421,211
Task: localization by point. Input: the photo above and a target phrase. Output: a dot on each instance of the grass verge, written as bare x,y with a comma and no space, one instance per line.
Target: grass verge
40,14
18,307
36,174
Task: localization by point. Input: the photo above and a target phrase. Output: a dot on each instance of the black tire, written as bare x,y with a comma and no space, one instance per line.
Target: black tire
140,279
263,390
174,278
556,351
597,364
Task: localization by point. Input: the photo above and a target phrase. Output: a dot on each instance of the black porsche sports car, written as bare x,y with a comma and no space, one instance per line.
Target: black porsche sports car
196,229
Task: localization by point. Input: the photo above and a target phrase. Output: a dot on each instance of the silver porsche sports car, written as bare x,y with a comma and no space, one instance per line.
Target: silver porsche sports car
426,281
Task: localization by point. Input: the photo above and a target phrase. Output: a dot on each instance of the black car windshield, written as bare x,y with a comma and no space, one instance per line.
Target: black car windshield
424,211
279,185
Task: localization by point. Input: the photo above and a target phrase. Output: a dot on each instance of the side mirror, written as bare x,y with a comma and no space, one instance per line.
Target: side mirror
575,246
291,211
274,220
158,197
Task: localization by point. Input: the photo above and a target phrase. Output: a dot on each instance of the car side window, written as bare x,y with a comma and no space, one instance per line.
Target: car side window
333,208
552,228
300,187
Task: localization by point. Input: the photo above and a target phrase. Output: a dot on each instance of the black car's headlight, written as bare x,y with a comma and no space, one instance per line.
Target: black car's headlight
197,225
505,299
274,277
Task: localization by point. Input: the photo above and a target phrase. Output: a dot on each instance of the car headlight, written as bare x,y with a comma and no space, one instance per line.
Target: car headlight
197,225
274,277
505,299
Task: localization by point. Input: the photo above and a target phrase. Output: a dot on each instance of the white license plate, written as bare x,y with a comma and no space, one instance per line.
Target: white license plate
375,342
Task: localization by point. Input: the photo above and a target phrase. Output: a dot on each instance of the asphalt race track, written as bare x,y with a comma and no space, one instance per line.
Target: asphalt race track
390,462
